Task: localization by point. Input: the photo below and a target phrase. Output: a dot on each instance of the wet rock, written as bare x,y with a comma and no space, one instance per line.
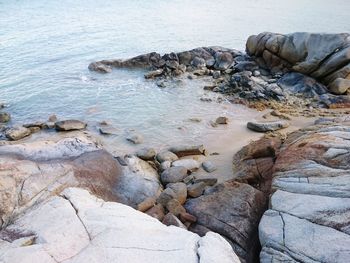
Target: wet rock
221,120
209,166
17,133
223,60
171,220
198,63
267,126
4,117
100,67
166,156
173,174
189,164
195,190
236,217
69,125
153,74
135,138
108,130
186,150
146,154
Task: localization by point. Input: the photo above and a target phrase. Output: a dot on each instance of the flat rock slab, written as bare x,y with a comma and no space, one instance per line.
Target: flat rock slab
17,133
267,126
70,125
77,226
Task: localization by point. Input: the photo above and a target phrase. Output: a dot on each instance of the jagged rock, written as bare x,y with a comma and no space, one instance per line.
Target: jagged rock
233,210
308,219
70,125
325,57
4,117
17,133
77,226
267,126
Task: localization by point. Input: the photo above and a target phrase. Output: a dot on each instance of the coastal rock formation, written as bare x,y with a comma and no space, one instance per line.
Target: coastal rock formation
325,57
75,226
308,219
233,210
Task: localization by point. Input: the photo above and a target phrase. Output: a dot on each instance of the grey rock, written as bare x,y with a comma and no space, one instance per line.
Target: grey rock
146,154
166,156
100,67
189,164
173,174
209,166
267,126
69,125
4,117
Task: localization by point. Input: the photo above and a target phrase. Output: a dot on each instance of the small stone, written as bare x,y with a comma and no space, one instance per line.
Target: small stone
175,207
189,164
146,154
135,138
146,204
4,117
180,191
186,150
165,196
165,165
221,120
186,217
195,190
195,119
166,156
188,179
156,211
216,74
173,174
17,133
34,129
108,130
209,166
171,220
69,125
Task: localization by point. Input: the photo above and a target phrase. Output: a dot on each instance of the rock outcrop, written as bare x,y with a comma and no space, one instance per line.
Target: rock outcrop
75,226
325,57
308,219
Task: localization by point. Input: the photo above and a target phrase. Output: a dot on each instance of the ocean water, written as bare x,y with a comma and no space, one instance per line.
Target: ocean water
46,46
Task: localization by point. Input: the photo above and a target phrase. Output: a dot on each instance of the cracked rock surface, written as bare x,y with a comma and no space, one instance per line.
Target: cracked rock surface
309,215
76,226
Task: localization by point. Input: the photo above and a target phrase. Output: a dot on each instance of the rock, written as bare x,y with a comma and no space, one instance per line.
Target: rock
339,86
99,67
186,217
180,191
146,154
195,190
209,166
52,118
209,181
165,165
223,60
216,74
17,133
174,207
37,124
221,120
186,150
234,210
198,63
69,125
308,218
76,225
138,182
157,212
190,164
153,74
4,117
146,204
267,126
166,156
256,73
324,57
108,130
280,115
172,220
135,138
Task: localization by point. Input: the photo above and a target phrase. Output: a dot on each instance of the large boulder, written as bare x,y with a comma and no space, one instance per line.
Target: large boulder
325,57
308,219
233,210
76,226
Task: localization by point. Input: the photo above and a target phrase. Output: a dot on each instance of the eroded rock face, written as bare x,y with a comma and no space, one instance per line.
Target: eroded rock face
325,57
76,226
233,210
309,220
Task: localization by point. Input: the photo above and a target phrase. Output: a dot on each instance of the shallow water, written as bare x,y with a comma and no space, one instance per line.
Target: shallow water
46,46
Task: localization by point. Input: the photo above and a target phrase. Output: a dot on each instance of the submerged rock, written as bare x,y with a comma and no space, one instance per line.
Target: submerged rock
4,117
70,125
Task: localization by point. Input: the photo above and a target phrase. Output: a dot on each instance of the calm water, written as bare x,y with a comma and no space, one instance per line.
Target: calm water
46,46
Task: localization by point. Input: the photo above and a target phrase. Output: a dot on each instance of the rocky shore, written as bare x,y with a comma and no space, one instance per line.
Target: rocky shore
66,198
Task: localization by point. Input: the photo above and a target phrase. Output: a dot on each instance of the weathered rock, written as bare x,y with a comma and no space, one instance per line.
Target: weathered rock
339,85
173,174
186,150
198,62
166,156
267,126
146,154
17,133
195,190
234,210
190,164
325,57
308,219
69,125
4,117
77,226
209,166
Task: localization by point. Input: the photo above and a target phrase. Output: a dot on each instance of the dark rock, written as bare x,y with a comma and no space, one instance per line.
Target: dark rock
186,217
223,60
209,181
174,207
198,62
